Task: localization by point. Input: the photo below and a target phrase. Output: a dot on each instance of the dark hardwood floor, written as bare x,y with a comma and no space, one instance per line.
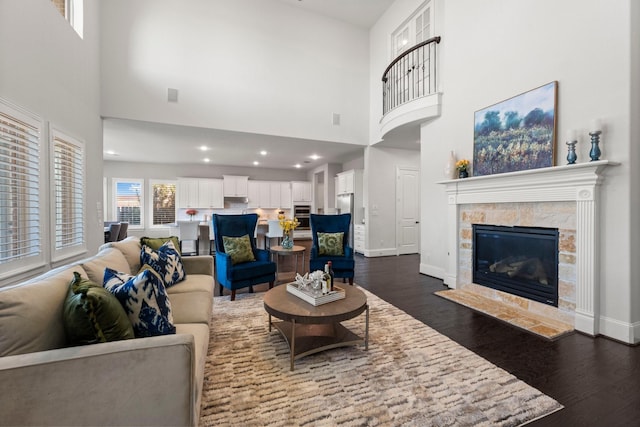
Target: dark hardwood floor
596,379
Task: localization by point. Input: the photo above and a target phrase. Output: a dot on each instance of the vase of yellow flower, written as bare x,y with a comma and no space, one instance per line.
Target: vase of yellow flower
288,225
462,166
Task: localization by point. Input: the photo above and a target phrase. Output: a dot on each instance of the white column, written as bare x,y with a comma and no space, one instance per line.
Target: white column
453,243
587,280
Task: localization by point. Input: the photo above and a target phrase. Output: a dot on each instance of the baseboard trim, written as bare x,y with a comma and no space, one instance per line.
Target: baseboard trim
628,333
372,253
432,270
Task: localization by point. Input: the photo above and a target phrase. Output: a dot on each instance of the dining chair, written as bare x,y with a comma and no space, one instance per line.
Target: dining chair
274,231
188,232
113,233
124,226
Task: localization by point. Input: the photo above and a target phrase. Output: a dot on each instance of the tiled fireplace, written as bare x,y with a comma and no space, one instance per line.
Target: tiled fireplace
563,198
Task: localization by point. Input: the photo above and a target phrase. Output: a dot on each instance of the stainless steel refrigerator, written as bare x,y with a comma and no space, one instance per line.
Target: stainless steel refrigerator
345,205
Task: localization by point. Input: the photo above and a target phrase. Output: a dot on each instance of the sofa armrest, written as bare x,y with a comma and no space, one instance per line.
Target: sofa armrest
143,381
200,264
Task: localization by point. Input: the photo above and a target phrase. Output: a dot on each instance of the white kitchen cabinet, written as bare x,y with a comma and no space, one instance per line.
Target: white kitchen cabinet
236,186
359,238
188,193
254,194
301,192
285,195
211,193
269,195
265,194
274,195
347,181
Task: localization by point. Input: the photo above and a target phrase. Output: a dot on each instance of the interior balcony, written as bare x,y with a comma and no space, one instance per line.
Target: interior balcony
409,90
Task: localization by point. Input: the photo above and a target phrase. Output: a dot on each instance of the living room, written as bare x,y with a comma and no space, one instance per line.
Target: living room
538,59
131,52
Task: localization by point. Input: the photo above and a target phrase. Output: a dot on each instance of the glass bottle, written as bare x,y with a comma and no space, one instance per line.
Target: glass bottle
326,280
331,275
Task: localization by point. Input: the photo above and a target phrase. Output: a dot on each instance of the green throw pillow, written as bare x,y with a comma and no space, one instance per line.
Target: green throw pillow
238,248
330,244
155,242
92,314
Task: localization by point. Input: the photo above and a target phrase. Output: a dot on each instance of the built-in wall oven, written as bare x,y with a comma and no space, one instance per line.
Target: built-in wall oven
301,212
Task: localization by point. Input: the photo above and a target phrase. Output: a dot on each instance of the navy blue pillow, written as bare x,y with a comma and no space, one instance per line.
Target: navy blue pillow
165,261
144,299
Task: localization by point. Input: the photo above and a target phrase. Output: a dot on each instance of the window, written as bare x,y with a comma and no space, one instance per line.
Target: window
20,190
128,196
423,25
162,203
416,29
68,180
410,77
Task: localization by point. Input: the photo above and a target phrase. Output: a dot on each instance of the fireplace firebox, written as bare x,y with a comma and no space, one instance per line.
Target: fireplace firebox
522,261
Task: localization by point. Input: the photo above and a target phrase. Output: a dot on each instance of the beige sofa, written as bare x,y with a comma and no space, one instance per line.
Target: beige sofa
142,381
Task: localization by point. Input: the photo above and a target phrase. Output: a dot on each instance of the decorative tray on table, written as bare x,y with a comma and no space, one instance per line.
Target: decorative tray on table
312,297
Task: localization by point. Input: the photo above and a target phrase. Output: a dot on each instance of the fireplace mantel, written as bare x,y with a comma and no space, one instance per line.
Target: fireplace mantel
578,183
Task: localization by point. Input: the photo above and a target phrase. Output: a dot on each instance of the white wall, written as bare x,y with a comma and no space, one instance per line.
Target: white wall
258,66
634,158
495,49
380,196
48,69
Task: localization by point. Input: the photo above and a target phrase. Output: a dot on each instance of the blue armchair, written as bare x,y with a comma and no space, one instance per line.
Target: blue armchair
242,274
343,265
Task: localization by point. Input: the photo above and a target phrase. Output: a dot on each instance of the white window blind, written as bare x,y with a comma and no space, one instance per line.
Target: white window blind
68,182
20,183
128,197
162,202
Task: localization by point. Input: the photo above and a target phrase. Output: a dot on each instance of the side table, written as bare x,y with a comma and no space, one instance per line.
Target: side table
279,250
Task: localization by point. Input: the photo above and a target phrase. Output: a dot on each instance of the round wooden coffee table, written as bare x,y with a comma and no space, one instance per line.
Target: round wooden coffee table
308,329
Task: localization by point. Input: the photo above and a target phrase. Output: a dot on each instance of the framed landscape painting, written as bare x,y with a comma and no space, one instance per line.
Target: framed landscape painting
516,134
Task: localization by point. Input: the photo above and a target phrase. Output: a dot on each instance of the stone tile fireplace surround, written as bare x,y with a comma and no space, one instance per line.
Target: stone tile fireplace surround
562,197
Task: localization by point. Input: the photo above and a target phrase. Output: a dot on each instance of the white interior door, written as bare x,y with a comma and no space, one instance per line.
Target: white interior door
408,210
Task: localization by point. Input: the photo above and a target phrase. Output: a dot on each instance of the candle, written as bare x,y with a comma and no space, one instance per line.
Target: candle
596,125
571,135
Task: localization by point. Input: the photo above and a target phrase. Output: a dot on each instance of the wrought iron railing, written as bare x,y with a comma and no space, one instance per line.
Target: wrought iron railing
410,76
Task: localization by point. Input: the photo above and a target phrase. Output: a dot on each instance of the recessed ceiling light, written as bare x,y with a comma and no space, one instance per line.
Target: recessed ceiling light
263,153
111,153
206,160
204,148
298,165
256,163
314,157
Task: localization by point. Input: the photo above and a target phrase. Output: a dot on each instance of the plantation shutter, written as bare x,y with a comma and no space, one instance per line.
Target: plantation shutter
68,178
20,221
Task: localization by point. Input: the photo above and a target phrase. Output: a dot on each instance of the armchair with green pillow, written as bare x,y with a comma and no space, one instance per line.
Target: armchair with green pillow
239,264
330,235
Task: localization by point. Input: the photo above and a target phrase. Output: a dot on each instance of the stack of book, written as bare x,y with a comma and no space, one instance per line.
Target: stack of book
310,296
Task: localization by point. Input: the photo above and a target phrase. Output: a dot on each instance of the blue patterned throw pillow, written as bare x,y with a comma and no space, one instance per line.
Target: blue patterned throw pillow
144,299
165,261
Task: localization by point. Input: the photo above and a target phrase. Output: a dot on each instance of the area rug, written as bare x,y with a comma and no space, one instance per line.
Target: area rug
410,376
